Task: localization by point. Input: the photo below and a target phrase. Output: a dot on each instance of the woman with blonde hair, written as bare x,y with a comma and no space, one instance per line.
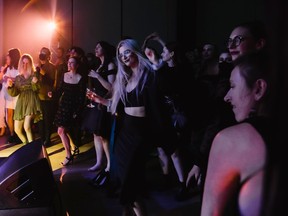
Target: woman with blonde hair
26,87
141,116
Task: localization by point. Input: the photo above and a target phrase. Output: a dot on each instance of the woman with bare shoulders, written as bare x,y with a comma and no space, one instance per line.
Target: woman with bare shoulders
238,156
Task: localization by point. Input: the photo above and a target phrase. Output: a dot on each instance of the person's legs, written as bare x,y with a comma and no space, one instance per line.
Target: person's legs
27,127
139,208
99,153
66,144
75,136
47,123
18,127
178,166
177,162
10,121
107,153
164,160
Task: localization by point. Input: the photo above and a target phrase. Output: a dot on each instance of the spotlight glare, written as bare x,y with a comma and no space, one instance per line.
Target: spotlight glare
51,26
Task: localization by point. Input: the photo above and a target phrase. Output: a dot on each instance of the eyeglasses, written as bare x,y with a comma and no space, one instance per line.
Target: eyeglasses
236,41
126,53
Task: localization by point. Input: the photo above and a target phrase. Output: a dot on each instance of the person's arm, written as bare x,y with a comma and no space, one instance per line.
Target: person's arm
35,83
104,101
111,77
222,177
12,89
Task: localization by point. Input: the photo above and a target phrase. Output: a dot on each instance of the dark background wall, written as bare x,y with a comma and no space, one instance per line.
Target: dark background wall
204,21
82,23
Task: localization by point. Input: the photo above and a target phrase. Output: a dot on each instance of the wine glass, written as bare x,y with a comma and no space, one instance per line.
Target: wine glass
89,94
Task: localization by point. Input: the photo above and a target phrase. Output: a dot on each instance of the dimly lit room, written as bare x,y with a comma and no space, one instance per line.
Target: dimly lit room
143,108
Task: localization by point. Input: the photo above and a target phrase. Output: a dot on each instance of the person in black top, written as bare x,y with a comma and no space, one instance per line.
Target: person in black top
142,120
239,154
96,119
71,94
47,77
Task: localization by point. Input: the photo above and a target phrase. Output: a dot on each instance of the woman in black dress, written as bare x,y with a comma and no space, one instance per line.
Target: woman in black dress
71,99
96,119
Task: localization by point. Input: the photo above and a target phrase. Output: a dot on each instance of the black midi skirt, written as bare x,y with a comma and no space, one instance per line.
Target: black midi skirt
132,146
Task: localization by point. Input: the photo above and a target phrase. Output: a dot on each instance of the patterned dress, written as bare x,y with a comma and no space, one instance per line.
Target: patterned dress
28,102
71,101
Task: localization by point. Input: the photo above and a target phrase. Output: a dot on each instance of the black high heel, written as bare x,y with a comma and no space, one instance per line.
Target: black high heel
76,151
68,161
101,179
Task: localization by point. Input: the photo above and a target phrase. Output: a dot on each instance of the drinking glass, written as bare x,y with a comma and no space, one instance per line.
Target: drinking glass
89,94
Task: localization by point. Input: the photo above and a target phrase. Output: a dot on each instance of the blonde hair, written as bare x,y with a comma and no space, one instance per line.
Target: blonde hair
124,73
31,67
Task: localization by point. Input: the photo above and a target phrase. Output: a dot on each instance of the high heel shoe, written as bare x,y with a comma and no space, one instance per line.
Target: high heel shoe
101,179
76,151
67,161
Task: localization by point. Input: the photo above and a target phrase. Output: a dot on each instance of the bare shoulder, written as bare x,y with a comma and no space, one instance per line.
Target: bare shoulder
111,66
243,133
242,146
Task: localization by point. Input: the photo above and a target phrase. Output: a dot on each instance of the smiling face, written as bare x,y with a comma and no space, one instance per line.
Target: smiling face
127,57
240,96
72,64
245,40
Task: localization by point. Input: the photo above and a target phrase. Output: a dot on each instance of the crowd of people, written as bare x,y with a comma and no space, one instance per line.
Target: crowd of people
206,111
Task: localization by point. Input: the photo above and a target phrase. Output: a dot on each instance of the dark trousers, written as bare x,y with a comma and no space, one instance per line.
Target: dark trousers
46,126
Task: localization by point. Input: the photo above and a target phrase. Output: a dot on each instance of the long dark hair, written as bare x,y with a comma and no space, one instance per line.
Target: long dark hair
109,53
15,55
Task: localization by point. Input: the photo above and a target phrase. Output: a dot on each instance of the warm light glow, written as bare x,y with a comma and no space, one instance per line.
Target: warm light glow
32,25
52,26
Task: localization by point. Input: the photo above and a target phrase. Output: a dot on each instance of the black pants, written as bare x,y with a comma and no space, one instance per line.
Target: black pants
45,126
